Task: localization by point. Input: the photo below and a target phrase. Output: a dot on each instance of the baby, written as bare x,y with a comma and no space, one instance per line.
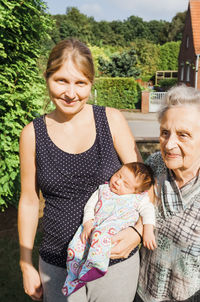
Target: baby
114,206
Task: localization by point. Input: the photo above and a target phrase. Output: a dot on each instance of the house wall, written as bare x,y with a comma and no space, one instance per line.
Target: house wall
187,55
198,83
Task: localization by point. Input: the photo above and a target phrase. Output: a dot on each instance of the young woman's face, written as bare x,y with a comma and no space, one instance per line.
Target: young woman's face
69,88
180,138
124,182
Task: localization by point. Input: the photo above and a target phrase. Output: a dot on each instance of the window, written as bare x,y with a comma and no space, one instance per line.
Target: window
188,73
187,42
182,72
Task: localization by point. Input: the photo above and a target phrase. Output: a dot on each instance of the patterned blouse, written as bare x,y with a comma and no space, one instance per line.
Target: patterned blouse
172,271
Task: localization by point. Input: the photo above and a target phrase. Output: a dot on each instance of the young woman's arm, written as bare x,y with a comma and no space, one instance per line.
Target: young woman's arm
28,213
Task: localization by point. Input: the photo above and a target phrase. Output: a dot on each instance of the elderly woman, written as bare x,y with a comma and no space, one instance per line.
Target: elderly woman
172,271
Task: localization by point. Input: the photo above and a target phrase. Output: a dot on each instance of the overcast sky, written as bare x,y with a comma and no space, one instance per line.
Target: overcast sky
121,9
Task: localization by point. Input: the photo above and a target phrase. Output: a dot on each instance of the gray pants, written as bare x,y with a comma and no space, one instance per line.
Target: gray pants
119,284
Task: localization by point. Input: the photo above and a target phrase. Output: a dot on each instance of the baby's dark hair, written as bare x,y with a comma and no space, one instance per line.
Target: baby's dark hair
144,172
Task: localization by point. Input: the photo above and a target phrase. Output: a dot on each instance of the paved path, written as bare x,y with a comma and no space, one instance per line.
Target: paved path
145,127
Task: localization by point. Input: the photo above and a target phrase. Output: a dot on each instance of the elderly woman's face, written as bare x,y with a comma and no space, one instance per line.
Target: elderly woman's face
180,138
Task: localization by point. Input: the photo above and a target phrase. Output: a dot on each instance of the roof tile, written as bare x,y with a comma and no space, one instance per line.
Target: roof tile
195,18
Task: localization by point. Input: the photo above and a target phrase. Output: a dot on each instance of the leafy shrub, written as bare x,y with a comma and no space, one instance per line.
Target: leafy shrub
120,65
23,26
104,52
169,56
121,93
148,57
167,83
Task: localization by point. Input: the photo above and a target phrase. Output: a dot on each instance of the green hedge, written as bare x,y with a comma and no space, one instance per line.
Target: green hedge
24,26
168,83
121,93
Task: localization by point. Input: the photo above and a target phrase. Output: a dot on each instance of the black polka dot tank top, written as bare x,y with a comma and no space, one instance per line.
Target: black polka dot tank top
67,181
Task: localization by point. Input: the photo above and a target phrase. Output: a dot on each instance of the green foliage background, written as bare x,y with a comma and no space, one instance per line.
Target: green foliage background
115,33
120,65
148,57
23,26
142,59
169,56
121,93
132,34
167,83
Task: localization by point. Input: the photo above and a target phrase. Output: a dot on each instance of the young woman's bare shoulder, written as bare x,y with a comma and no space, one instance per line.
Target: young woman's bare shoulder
27,136
114,114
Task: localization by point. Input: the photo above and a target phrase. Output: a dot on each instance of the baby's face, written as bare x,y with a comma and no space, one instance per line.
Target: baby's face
124,182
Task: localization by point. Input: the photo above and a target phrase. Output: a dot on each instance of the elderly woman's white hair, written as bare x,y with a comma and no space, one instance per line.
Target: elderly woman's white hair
179,96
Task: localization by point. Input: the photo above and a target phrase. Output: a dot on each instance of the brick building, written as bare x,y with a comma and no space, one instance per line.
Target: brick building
189,56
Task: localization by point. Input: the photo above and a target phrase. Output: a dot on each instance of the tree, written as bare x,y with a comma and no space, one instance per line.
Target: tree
105,33
176,27
118,30
158,31
115,33
74,24
96,53
24,26
148,56
135,27
120,65
169,56
59,29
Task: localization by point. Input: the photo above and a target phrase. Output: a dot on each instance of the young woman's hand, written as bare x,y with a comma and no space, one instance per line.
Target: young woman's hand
32,283
88,226
123,243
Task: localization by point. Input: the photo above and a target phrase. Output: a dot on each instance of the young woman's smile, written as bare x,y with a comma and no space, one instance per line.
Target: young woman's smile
69,88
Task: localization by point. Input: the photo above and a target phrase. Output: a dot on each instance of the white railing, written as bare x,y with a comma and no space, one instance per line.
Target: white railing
155,100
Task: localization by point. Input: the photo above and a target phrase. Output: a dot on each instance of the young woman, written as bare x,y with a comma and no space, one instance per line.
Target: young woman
68,154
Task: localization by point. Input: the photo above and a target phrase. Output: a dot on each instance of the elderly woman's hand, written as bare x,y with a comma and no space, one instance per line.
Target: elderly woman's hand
125,241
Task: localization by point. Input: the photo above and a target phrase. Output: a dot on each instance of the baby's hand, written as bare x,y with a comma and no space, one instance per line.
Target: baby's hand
149,240
150,244
87,229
